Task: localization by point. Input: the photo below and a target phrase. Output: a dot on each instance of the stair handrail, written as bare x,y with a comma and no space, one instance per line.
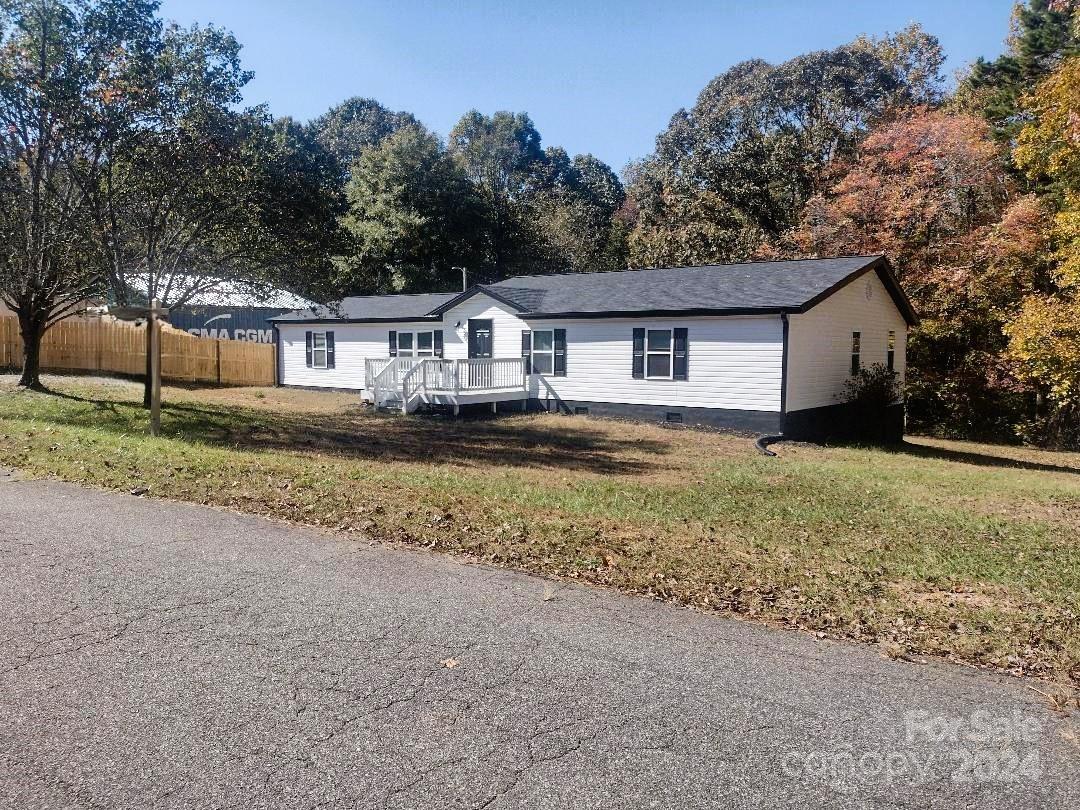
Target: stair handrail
383,380
410,387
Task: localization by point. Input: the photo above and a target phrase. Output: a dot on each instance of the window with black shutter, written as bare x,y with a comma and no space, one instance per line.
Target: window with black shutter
543,351
307,348
890,353
438,343
320,349
417,344
639,354
856,351
658,354
560,352
681,360
393,343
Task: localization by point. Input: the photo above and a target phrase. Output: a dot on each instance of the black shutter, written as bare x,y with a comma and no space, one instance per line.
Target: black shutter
679,370
329,349
437,343
307,338
393,343
639,354
560,352
526,349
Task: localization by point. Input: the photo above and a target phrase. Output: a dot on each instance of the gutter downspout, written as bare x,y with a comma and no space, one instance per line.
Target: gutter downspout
763,441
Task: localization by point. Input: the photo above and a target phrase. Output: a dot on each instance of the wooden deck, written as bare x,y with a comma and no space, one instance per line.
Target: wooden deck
409,382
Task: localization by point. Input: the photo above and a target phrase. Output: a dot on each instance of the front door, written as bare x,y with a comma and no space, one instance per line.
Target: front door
479,349
479,338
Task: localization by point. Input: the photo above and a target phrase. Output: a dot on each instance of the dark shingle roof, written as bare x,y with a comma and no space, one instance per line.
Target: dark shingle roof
373,308
733,288
750,285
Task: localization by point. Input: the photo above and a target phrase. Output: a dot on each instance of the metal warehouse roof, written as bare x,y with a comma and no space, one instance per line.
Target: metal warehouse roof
748,287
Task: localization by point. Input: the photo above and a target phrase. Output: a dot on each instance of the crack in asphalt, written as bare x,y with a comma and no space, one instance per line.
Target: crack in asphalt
146,660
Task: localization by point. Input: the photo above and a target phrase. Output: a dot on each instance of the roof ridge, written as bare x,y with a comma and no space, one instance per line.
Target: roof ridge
692,266
388,295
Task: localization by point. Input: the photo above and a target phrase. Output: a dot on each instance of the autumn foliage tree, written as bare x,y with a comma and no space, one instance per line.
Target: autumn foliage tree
736,169
928,190
1045,334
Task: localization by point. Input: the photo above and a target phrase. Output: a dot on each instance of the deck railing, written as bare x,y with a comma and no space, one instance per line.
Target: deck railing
388,371
409,377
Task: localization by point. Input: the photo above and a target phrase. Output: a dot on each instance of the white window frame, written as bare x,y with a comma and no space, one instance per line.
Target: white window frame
315,336
546,352
670,355
430,352
414,339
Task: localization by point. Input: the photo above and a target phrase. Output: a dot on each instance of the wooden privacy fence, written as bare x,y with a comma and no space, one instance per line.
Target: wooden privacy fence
120,348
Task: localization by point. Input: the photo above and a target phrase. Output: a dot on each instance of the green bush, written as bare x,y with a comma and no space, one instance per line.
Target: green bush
873,389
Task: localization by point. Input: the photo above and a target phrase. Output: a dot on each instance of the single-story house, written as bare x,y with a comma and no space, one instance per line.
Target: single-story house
757,346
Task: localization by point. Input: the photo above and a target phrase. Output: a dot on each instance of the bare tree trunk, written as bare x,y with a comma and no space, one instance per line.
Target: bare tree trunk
32,329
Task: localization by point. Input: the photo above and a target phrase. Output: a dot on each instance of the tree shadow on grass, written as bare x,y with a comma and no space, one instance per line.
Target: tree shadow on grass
507,441
979,459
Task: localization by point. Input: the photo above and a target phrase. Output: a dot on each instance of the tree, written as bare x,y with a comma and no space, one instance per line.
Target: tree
1044,335
56,59
501,156
352,126
737,168
1044,346
413,216
299,203
193,192
915,59
1044,34
929,190
1048,147
924,189
574,204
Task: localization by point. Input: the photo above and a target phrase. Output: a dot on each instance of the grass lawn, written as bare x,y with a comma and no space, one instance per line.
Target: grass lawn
966,551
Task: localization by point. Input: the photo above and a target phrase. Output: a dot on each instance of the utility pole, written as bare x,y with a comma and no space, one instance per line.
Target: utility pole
152,315
155,368
464,277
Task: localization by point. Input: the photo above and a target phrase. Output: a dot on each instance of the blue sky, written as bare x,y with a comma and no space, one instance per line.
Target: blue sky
600,77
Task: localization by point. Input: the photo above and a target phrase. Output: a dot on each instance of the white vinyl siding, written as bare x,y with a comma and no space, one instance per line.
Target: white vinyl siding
821,342
734,362
352,344
506,328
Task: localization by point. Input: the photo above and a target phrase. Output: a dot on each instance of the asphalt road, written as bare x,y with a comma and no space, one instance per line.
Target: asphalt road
167,655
